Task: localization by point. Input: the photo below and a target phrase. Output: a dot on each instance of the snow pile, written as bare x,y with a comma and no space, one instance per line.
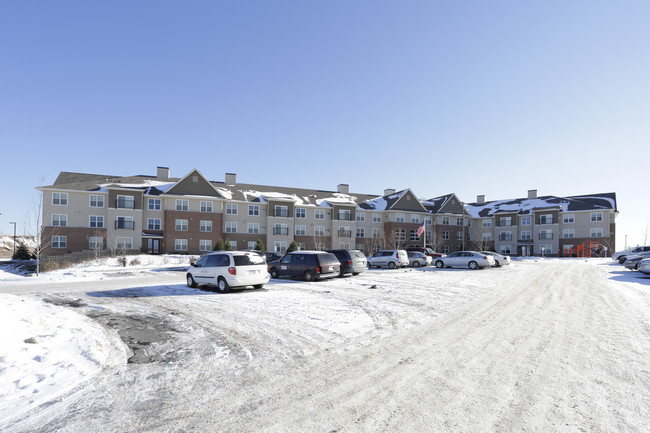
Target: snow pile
46,350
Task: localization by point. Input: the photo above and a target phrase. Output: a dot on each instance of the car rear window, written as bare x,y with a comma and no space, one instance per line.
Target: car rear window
327,259
249,260
358,255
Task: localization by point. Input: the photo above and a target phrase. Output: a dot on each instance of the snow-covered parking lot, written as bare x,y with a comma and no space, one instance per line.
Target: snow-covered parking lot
540,345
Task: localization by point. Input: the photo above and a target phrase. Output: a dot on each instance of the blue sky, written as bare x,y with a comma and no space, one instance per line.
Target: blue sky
469,97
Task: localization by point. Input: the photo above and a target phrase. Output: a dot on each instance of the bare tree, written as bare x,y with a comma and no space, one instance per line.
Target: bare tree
33,216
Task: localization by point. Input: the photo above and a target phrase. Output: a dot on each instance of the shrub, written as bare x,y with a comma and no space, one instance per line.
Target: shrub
22,253
135,262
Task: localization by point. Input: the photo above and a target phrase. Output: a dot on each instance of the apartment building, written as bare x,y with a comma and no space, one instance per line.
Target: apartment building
544,226
162,214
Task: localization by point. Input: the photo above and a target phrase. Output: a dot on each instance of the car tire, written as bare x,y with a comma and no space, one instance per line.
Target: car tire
190,281
440,264
274,273
258,286
496,263
416,264
341,273
222,285
472,265
391,265
309,276
355,273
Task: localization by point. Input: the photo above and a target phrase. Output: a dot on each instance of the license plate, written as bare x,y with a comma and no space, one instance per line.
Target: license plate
331,268
253,272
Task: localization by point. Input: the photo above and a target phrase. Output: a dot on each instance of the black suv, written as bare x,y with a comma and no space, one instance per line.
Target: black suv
352,261
309,265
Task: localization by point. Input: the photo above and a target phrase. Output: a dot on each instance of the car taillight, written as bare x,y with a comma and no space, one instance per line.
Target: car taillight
397,255
349,262
318,269
232,270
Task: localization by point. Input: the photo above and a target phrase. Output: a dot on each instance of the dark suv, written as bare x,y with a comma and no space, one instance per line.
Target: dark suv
309,265
352,261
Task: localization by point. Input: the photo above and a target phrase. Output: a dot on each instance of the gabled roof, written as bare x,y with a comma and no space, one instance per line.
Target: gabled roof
443,204
603,201
394,201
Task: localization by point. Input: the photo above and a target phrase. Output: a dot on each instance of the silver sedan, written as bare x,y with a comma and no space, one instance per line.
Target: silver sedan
465,259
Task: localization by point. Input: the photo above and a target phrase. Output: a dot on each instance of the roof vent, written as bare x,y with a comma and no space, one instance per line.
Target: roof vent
343,188
480,199
162,173
231,179
532,193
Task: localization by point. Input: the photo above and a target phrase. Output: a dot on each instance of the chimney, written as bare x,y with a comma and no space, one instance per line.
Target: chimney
532,193
343,188
480,199
231,179
162,173
389,191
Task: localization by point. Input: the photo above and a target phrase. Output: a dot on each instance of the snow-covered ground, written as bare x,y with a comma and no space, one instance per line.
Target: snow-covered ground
540,345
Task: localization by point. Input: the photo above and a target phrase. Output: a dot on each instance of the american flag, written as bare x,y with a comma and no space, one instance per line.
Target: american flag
420,229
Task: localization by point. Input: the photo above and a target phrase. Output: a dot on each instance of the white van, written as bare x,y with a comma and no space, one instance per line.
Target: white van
226,269
390,258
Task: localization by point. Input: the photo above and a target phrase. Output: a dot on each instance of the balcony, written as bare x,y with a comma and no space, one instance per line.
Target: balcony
345,233
127,225
545,236
281,231
281,213
122,203
505,237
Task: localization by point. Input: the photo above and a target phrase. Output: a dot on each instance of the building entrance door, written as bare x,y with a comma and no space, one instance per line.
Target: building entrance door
153,246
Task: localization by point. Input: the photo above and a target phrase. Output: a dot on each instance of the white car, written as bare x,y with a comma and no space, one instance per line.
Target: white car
499,259
228,269
390,258
621,256
644,266
418,259
465,259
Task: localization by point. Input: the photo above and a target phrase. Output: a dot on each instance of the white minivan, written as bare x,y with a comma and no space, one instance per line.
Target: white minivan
229,269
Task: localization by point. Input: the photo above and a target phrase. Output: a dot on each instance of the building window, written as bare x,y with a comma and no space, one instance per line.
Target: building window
505,236
361,233
413,236
415,218
345,215
231,227
253,210
545,249
233,245
345,232
445,220
96,200
526,221
505,249
399,217
459,221
505,221
487,223
526,235
205,245
459,236
281,229
486,237
301,212
301,230
95,243
428,220
344,246
231,209
206,206
182,204
61,199
546,219
253,228
319,214
280,246
281,211
205,226
125,202
180,244
400,235
153,224
123,222
361,217
376,233
60,220
376,217
596,217
568,218
124,243
181,225
97,221
546,234
445,236
154,204
252,245
59,241
596,232
319,231
445,249
569,233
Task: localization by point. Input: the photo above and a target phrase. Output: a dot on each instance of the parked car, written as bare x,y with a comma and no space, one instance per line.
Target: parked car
633,260
644,266
309,265
270,257
621,256
390,258
228,269
352,261
418,259
499,259
426,251
465,259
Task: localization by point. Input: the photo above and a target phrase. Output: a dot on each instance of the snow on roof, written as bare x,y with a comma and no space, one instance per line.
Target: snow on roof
338,198
526,206
226,193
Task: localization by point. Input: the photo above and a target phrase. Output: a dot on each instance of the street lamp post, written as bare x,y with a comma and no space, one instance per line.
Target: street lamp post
11,222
